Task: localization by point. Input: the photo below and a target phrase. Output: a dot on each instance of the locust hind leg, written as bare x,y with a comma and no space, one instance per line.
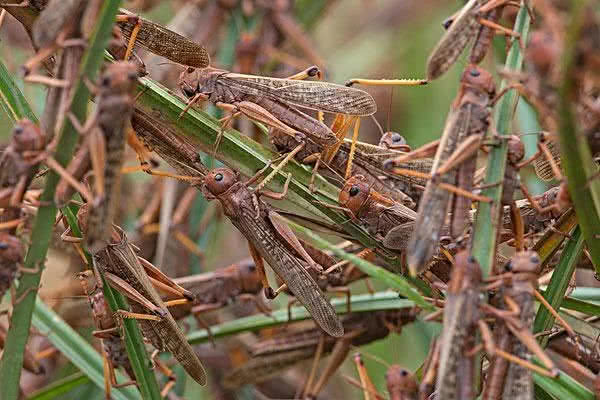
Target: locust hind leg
260,268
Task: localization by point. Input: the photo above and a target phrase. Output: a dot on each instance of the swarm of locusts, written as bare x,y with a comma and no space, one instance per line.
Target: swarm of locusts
485,241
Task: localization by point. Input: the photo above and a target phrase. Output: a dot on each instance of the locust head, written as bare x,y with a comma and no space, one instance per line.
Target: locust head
11,248
250,278
525,266
119,77
219,181
188,82
466,272
478,80
27,136
516,149
394,141
400,381
355,194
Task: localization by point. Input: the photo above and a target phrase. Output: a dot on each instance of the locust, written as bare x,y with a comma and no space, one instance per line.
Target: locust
476,20
216,289
384,219
18,165
113,346
161,41
513,335
453,167
276,101
269,238
134,278
455,374
105,132
271,356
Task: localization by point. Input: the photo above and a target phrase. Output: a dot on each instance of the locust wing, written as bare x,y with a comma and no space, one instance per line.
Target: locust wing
313,95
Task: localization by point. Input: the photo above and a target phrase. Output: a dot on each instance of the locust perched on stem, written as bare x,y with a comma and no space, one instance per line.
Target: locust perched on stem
477,19
270,238
113,346
513,335
453,168
216,289
271,356
385,219
134,278
455,375
162,41
105,132
276,102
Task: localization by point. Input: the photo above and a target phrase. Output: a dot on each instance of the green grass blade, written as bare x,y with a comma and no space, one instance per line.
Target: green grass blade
360,303
563,387
581,306
61,386
76,349
13,102
484,230
586,293
577,161
43,225
559,283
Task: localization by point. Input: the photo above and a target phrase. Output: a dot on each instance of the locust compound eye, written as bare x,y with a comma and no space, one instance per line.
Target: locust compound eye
18,130
3,246
398,138
188,91
471,259
474,72
132,75
509,266
252,267
190,70
534,259
218,181
354,190
404,372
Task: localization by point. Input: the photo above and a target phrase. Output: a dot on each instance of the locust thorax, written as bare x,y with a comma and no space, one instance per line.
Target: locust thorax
400,381
466,272
355,194
478,81
119,77
219,180
11,248
394,141
27,136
